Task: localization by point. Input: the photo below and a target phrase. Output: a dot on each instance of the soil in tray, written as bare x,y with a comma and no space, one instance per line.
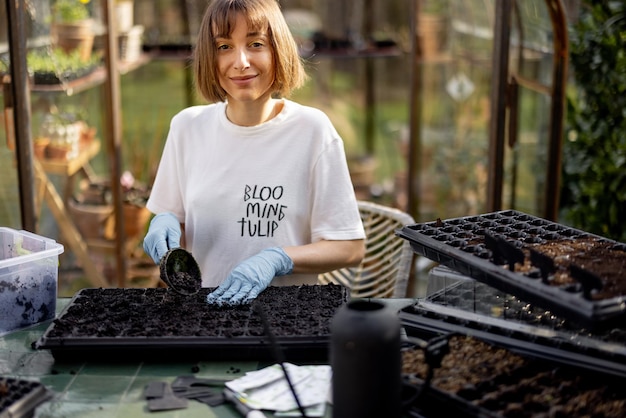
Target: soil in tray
510,385
161,312
564,247
605,259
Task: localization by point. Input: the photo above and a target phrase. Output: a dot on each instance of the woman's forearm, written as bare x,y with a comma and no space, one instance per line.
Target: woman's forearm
326,255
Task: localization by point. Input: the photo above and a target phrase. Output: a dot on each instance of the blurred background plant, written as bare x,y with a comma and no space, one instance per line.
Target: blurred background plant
70,11
594,179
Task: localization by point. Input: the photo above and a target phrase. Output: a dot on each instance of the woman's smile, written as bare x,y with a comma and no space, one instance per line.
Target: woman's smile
243,80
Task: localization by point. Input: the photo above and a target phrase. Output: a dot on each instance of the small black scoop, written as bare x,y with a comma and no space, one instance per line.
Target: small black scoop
180,271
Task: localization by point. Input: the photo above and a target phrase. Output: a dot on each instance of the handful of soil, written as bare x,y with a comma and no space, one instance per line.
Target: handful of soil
180,271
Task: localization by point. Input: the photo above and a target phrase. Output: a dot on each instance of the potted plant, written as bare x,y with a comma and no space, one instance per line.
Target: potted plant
72,26
432,27
135,197
95,201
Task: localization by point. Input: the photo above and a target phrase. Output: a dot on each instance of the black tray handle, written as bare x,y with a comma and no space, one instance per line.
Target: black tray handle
492,244
544,263
504,252
587,279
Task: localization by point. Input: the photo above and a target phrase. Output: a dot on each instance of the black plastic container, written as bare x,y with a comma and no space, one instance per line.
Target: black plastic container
365,359
499,249
130,324
19,398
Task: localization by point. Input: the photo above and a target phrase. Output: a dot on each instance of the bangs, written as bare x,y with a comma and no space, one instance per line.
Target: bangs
224,20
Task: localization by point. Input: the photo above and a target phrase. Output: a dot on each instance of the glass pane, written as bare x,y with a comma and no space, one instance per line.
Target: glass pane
455,115
531,41
531,62
525,163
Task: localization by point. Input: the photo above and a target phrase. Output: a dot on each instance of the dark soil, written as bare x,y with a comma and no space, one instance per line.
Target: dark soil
535,252
516,234
26,300
605,259
180,271
514,386
161,312
183,282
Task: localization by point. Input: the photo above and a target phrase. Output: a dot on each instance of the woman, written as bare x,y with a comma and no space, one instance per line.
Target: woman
258,183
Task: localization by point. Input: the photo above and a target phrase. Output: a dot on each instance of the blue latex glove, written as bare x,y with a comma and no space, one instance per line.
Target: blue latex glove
251,277
163,234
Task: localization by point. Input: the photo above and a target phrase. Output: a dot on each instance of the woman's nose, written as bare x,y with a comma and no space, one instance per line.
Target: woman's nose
242,62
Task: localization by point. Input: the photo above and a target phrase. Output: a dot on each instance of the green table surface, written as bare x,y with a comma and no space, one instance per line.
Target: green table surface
110,389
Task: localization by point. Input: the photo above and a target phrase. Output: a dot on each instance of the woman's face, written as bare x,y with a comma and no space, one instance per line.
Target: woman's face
244,63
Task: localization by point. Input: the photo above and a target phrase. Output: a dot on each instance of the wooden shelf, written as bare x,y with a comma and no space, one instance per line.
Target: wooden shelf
95,78
71,166
126,67
348,53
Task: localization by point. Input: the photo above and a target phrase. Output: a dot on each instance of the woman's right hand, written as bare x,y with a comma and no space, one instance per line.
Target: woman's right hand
163,234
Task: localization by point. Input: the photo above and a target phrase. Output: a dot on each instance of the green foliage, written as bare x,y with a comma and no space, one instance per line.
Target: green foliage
434,6
594,155
70,11
57,61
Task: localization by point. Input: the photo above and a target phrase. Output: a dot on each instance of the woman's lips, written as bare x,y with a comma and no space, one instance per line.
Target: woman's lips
242,79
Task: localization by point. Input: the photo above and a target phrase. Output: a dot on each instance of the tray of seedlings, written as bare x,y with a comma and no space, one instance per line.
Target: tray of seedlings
19,398
572,273
474,309
460,375
129,323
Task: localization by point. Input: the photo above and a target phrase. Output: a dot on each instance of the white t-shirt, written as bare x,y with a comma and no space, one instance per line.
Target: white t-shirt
239,190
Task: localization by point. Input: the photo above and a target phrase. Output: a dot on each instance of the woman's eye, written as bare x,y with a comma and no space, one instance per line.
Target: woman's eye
222,47
256,44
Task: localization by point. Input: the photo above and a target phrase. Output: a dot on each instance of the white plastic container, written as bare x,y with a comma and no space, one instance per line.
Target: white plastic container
124,14
130,44
29,272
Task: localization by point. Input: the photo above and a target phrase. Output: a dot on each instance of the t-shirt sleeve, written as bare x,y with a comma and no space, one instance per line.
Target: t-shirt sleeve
335,214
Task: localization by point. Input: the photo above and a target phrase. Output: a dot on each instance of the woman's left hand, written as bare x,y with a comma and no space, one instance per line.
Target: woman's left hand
251,277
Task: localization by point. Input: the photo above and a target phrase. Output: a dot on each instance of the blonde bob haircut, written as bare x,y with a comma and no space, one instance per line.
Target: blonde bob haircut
261,15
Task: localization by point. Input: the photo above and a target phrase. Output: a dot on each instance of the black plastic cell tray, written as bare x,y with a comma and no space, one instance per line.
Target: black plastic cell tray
435,402
19,398
555,346
459,243
130,324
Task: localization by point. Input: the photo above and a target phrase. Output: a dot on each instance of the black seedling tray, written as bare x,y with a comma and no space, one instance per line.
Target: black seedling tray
561,347
478,298
117,324
481,378
515,253
19,398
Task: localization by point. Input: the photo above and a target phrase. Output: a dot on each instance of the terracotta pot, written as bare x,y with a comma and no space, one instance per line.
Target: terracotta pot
57,152
40,145
135,220
432,35
72,36
90,219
